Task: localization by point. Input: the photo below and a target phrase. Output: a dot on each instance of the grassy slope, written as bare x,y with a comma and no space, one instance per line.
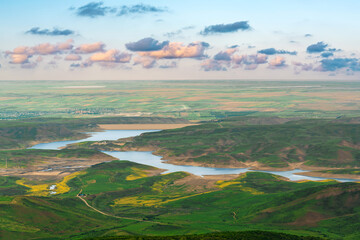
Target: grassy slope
314,142
254,201
24,158
246,235
21,133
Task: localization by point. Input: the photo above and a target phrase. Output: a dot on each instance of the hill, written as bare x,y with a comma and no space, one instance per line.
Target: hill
131,199
252,142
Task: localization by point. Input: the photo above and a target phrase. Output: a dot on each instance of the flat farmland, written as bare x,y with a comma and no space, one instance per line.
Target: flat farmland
195,100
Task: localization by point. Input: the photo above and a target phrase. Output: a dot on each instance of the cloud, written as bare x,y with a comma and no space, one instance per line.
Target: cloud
298,67
173,64
73,57
21,54
93,10
250,59
146,62
19,58
28,65
226,28
327,54
178,50
212,65
225,55
178,32
112,55
139,9
273,51
222,62
97,9
48,32
308,35
75,65
317,47
90,47
331,65
277,62
146,44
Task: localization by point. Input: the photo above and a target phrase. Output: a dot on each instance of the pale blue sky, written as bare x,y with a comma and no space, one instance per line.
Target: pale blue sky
278,24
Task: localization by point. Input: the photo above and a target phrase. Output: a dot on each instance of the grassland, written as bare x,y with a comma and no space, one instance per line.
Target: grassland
137,200
18,134
195,100
260,143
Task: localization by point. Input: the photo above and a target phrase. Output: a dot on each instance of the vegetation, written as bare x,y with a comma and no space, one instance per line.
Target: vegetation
178,204
272,142
17,134
246,235
193,100
24,158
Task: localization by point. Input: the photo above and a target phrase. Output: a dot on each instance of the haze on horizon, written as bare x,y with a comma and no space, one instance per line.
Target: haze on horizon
161,40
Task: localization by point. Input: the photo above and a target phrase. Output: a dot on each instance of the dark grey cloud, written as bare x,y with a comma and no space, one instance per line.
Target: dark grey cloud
139,9
317,47
327,54
48,32
308,35
146,44
203,44
75,65
331,65
273,51
94,9
98,9
222,56
226,28
212,65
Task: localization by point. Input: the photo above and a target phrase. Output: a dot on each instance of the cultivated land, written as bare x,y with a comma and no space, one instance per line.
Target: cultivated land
272,125
193,100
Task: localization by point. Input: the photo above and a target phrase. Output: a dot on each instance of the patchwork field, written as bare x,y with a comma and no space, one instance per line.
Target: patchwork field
195,100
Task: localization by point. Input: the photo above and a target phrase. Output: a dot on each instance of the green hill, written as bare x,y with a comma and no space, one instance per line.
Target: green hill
136,200
237,142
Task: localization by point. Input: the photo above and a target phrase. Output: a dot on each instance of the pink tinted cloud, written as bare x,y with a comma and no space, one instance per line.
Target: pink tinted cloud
19,58
277,62
177,50
146,62
21,54
90,47
112,55
73,57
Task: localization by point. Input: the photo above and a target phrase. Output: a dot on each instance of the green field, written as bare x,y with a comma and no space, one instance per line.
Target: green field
178,204
272,124
193,100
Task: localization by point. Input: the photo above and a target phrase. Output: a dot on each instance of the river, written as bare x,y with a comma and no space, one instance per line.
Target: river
147,158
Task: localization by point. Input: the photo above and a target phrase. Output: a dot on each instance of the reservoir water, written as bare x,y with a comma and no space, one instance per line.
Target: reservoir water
147,158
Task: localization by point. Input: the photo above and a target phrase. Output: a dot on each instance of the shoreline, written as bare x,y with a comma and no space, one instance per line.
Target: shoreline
155,126
250,165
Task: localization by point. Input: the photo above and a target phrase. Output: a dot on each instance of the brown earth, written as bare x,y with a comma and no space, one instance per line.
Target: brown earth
55,168
329,175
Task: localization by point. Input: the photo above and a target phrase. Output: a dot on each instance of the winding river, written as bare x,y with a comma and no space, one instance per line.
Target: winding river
148,158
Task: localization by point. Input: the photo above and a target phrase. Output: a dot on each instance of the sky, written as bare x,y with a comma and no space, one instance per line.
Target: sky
179,40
